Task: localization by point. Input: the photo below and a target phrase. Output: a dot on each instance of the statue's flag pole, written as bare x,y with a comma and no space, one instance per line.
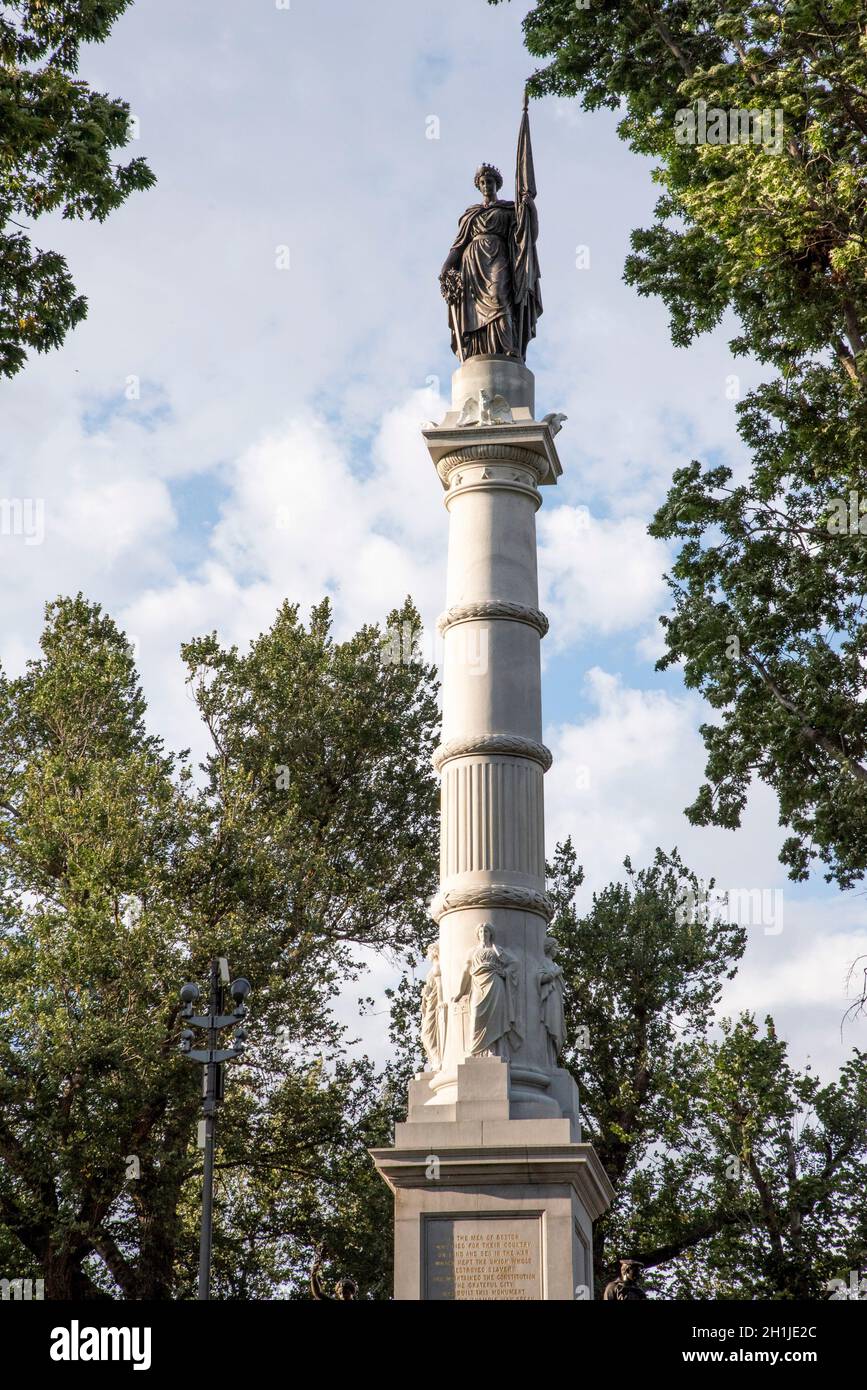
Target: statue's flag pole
526,270
453,310
525,174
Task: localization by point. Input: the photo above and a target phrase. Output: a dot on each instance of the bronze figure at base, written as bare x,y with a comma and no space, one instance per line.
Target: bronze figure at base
627,1286
345,1290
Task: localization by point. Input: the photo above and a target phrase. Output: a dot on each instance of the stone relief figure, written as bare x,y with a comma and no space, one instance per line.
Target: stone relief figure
551,998
433,1012
626,1288
490,278
490,981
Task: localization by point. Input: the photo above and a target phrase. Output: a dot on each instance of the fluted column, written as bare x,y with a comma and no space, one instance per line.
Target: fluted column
492,760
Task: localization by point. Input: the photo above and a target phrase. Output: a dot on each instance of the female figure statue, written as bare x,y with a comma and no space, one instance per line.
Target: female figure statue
551,993
490,979
433,1011
490,278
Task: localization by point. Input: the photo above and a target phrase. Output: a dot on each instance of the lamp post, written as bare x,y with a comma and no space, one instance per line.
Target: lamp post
212,1058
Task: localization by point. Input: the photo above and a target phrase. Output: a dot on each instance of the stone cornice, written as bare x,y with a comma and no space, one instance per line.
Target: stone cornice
574,1165
493,608
502,745
526,439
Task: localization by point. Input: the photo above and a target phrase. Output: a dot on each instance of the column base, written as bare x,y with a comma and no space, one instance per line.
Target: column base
488,1206
491,1088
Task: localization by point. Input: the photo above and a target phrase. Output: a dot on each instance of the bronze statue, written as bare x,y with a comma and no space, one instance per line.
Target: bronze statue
627,1286
490,278
345,1289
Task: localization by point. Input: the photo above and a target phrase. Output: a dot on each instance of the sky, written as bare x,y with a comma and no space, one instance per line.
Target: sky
238,420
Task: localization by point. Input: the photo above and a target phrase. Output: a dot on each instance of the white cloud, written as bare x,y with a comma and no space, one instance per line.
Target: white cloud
650,646
610,786
298,522
597,575
618,785
813,971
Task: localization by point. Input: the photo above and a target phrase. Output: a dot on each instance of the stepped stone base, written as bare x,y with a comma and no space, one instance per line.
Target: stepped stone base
490,1207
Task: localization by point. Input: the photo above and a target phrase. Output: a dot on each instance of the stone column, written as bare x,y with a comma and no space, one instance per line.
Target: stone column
462,1189
492,760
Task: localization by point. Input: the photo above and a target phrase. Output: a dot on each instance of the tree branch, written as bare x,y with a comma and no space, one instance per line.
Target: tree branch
813,735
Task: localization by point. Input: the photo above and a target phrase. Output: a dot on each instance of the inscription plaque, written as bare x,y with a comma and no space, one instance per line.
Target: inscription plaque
468,1257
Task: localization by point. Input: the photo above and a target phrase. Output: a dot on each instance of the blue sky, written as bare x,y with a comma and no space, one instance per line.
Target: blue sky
226,430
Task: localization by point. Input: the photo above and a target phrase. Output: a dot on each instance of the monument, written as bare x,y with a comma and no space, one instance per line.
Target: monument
495,1193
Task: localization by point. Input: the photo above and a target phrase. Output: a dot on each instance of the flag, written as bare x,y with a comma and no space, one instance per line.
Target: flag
525,268
525,174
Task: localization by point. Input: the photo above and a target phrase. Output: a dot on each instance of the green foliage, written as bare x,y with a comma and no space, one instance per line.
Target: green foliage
736,1177
768,584
768,624
760,1190
641,976
315,746
310,834
57,138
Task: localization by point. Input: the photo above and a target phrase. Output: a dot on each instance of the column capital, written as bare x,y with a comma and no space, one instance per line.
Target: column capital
528,444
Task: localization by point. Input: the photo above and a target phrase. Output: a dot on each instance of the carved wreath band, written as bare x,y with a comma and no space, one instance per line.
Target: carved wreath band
491,895
493,608
506,745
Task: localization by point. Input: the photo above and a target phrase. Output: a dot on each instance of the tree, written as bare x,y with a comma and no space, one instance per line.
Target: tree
760,1184
641,976
57,137
310,833
768,221
735,1177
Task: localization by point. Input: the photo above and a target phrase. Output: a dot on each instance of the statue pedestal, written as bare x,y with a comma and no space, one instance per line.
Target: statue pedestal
488,1207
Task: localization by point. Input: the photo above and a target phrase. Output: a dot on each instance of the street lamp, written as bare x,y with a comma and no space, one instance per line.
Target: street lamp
212,1058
